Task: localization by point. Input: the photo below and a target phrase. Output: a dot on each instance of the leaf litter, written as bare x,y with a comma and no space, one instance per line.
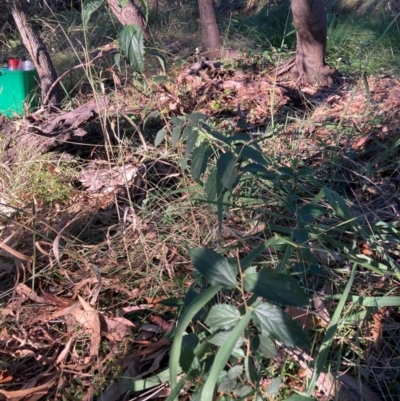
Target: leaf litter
63,338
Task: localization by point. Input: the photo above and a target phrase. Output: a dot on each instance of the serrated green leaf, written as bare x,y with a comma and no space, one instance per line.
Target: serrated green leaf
219,338
159,79
213,185
222,316
132,44
245,391
226,384
275,322
235,371
274,386
223,354
191,134
305,172
187,360
196,117
300,235
160,136
276,287
215,134
88,8
226,167
200,158
285,173
186,355
177,121
254,168
175,135
214,267
238,353
249,153
264,346
239,138
250,369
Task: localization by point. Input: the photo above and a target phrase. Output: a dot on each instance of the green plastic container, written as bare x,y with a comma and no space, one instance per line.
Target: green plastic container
18,89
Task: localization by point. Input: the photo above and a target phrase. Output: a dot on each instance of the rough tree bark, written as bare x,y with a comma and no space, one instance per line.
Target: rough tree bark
309,18
128,15
37,51
211,35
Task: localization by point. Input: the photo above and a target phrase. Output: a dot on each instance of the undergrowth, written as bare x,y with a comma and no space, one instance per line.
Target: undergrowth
290,221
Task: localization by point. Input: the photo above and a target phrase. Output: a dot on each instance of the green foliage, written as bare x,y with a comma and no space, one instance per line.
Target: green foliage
131,39
310,218
132,45
89,7
229,326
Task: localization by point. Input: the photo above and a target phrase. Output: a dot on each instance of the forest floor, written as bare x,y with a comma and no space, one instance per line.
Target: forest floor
94,232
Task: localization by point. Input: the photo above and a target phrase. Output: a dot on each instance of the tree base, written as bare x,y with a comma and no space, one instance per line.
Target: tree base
324,76
320,77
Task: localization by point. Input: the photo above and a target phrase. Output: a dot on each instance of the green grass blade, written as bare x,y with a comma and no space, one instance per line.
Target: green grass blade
222,356
330,333
175,392
145,384
370,302
184,322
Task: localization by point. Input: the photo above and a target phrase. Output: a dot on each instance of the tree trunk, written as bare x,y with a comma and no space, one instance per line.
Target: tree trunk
129,15
37,51
211,35
309,18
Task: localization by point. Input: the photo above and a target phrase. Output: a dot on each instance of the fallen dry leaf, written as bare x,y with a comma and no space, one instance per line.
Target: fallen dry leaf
154,301
302,316
377,330
89,319
117,328
5,377
160,322
18,394
361,142
46,317
130,309
54,300
11,251
321,311
25,292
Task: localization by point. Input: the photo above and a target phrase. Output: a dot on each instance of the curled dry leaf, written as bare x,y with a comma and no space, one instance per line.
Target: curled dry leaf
89,318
